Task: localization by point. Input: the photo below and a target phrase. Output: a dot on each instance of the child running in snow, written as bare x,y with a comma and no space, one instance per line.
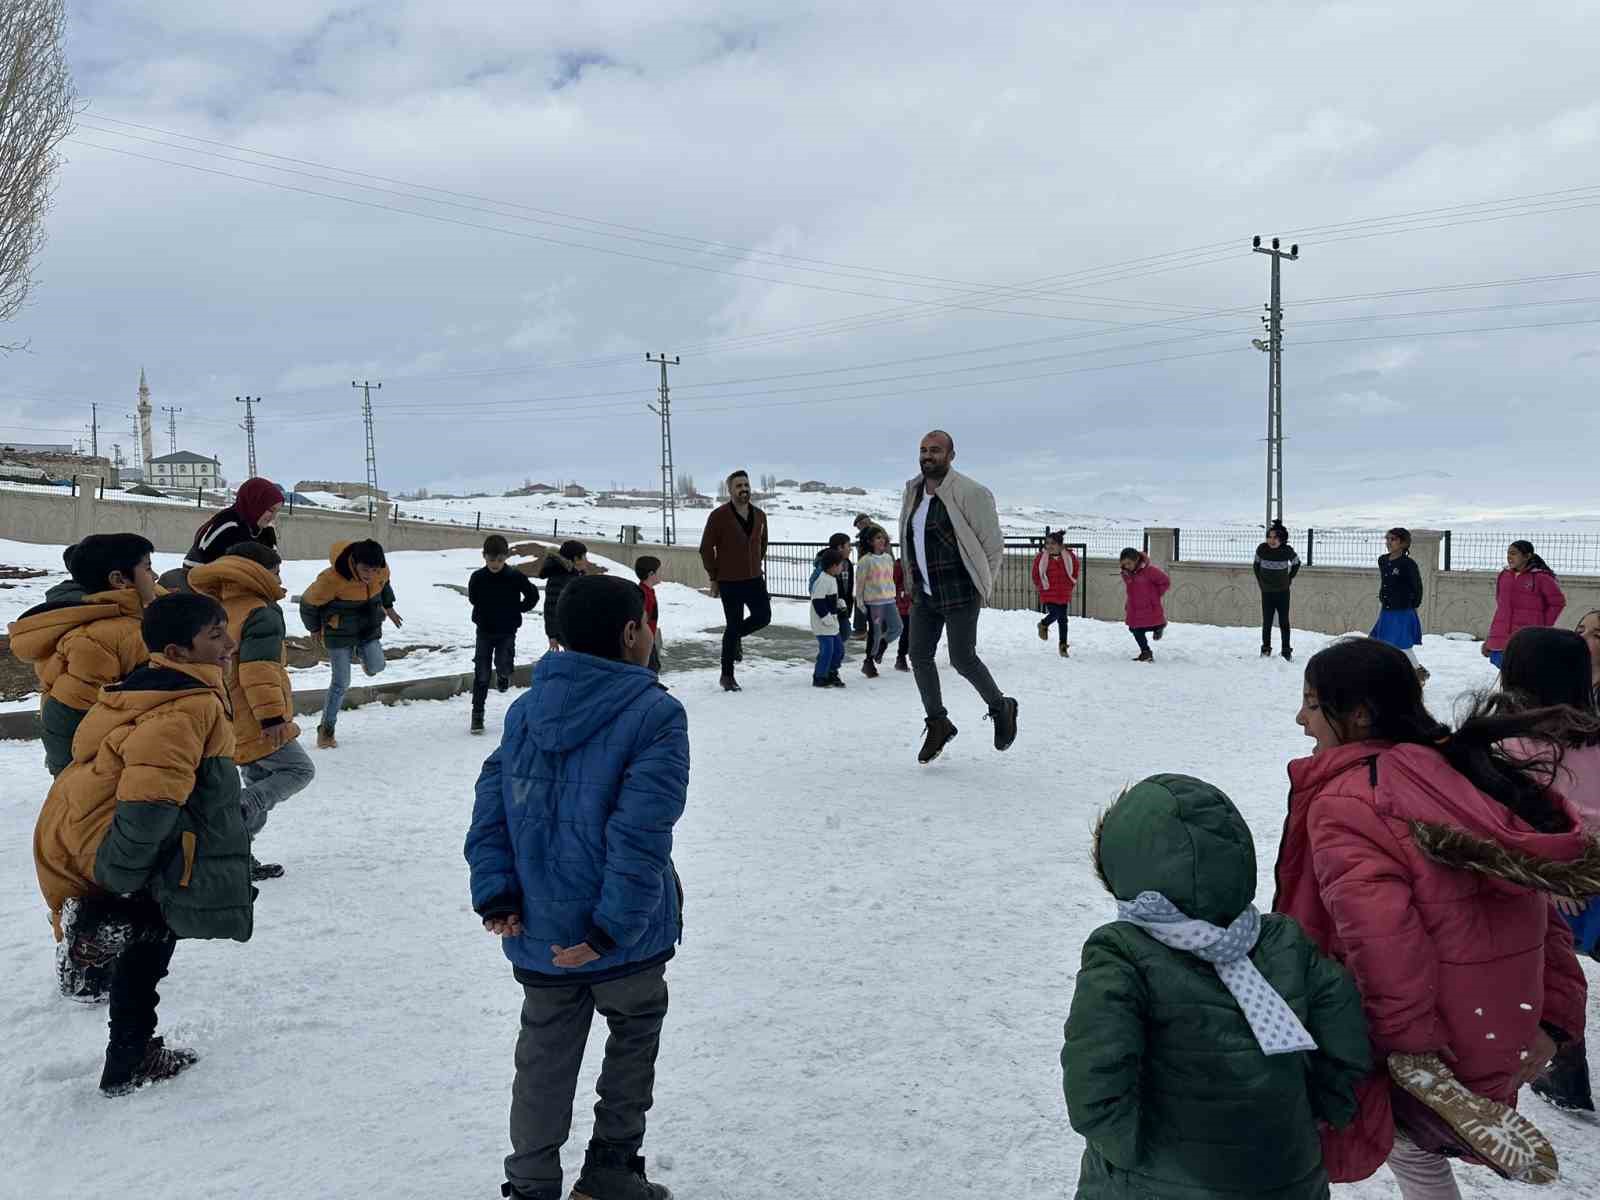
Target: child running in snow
570,850
827,618
141,840
1399,597
648,568
1425,860
1525,594
559,568
875,591
344,610
245,580
1203,1079
500,596
1055,576
1542,668
1146,583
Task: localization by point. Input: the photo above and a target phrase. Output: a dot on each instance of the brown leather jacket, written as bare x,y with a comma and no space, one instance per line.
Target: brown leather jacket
728,553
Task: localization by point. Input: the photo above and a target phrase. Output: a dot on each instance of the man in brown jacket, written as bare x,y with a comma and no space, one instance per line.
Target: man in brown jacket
733,549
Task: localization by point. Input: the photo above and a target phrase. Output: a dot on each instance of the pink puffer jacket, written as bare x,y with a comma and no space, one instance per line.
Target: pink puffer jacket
1532,597
1146,584
1433,895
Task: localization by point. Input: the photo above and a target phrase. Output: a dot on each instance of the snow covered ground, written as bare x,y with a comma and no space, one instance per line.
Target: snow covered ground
868,1002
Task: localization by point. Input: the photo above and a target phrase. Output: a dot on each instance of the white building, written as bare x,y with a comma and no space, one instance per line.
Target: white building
183,470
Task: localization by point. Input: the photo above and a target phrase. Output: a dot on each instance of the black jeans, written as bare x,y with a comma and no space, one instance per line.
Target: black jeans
1054,613
555,1028
1274,603
493,653
138,969
736,596
928,624
1139,636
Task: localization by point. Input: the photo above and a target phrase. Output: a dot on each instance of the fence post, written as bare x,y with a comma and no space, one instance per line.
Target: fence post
555,527
1447,549
479,525
1177,545
1311,547
83,514
199,496
102,488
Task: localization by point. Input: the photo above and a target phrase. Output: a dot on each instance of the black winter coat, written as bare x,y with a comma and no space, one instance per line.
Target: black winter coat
1399,583
499,598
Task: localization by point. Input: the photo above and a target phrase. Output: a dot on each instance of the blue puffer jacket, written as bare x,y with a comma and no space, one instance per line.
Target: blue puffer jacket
572,825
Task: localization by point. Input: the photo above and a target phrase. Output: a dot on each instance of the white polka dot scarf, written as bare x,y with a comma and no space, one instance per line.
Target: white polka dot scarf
1277,1029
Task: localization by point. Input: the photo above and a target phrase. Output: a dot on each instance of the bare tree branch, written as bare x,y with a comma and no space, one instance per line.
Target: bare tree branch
37,107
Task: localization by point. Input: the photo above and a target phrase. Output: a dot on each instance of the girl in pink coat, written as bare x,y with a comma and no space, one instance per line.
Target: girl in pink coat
1525,594
1425,861
1055,577
1146,584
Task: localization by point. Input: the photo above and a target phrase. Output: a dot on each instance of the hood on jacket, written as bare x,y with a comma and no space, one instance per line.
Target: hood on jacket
1181,837
574,697
1457,825
35,633
1142,562
233,576
160,681
555,564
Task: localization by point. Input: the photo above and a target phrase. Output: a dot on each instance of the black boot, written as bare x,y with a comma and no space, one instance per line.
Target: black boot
503,684
612,1175
1266,652
940,732
834,680
900,663
1288,654
729,684
869,667
1005,724
128,1069
477,721
1565,1082
260,870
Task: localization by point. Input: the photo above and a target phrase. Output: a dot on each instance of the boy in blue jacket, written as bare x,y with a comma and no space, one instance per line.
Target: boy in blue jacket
570,851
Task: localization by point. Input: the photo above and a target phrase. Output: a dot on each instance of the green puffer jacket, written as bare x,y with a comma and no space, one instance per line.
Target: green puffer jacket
1162,1074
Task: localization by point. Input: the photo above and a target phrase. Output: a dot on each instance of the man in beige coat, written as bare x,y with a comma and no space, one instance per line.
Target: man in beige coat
952,546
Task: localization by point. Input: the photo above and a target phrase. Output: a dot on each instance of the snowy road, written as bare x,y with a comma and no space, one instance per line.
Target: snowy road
868,1003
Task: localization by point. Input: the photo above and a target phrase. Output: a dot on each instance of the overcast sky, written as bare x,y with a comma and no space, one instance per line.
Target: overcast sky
854,221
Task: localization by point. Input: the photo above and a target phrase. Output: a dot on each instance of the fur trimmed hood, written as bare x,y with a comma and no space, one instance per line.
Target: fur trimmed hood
1576,879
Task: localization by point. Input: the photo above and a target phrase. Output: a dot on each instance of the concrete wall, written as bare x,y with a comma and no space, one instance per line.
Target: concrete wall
59,520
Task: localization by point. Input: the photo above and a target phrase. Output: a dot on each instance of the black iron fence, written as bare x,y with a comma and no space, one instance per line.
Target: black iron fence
1462,550
789,567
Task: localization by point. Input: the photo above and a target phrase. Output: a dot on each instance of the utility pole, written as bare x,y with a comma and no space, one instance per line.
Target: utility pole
172,427
372,454
669,500
133,428
94,430
1273,346
249,427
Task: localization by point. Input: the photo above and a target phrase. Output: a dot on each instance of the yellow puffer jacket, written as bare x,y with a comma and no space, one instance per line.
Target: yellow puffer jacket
342,609
259,685
78,646
151,801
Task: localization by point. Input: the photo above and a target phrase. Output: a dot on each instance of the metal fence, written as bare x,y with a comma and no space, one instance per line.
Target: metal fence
1317,547
1485,550
789,566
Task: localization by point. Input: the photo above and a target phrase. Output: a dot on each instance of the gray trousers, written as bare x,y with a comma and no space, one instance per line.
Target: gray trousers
555,1028
272,780
927,626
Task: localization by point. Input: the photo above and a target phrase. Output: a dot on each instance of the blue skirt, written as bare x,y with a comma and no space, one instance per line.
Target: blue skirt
1400,627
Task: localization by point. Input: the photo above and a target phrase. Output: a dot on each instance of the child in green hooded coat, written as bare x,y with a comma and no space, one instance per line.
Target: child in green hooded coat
1206,1041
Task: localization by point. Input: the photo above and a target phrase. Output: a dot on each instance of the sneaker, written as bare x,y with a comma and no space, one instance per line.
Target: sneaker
834,680
1160,629
940,733
1145,656
821,683
1505,1140
503,684
477,723
869,667
900,664
325,739
153,1065
1266,652
1288,654
260,870
1005,724
1063,651
1044,631
608,1175
1565,1082
729,684
94,941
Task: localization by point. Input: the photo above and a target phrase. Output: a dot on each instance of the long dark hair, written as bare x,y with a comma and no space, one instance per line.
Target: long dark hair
1363,672
1525,548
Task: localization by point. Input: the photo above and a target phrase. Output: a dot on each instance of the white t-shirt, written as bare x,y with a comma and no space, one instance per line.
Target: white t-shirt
919,539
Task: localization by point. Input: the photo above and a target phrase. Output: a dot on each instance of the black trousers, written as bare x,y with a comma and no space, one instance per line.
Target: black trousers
1274,603
138,969
495,654
928,625
737,596
1054,613
555,1029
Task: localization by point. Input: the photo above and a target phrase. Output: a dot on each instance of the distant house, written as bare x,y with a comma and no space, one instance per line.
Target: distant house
855,491
184,470
813,485
575,491
343,489
789,483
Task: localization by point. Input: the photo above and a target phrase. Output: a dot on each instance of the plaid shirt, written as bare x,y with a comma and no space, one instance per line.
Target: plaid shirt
952,586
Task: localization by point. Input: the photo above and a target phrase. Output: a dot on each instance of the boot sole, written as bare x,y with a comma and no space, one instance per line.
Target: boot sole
1502,1137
